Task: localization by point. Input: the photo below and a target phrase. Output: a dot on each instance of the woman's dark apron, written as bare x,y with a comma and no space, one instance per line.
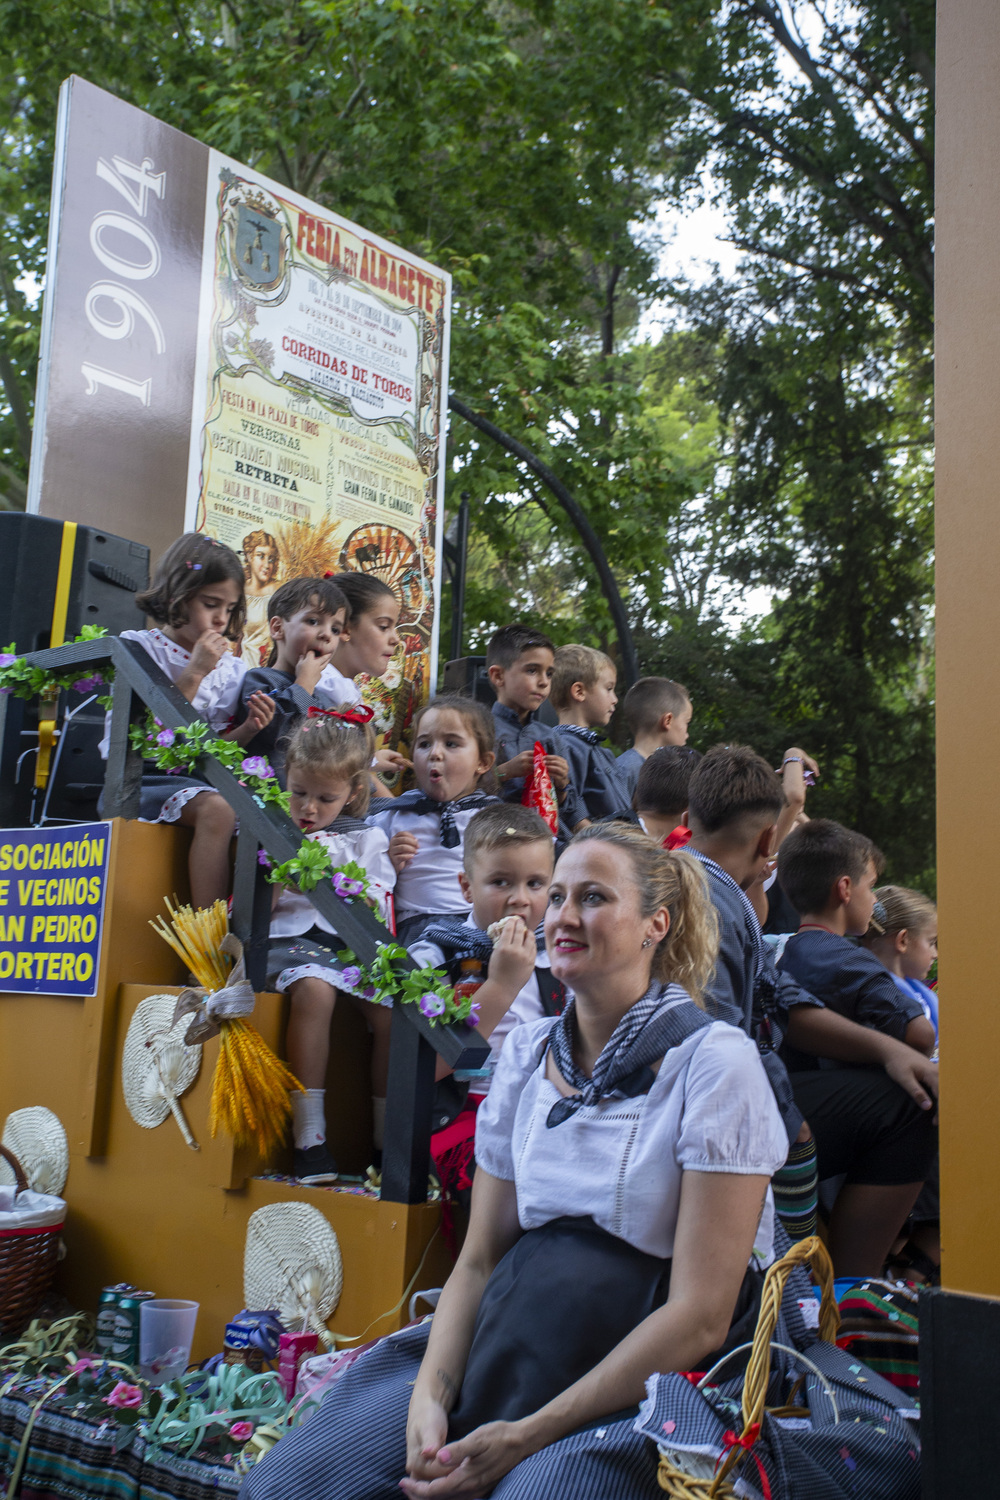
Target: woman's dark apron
560,1300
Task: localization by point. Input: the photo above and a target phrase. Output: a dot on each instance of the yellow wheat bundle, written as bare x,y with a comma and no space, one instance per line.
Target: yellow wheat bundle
308,550
250,1089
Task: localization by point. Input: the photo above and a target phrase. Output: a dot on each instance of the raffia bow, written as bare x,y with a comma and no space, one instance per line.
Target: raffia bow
209,1008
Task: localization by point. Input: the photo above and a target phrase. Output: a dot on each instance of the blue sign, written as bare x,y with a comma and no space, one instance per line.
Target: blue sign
52,884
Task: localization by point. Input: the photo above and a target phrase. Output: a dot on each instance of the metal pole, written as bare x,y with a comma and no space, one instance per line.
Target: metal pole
458,577
579,519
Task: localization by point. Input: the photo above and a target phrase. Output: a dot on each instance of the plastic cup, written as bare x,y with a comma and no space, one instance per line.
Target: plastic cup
166,1331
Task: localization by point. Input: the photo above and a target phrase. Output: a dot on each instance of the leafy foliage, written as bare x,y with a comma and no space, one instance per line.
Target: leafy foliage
388,981
780,443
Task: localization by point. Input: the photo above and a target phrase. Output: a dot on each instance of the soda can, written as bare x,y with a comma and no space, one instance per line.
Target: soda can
126,1337
107,1307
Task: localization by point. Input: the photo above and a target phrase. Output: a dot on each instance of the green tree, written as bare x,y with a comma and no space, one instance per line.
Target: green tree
520,145
817,353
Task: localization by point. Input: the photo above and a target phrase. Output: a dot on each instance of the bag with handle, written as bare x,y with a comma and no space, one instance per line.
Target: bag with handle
817,1423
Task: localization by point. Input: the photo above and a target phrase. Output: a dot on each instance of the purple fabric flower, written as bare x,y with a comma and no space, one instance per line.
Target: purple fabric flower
6,657
431,1005
88,684
345,886
256,765
473,1017
351,976
262,859
165,737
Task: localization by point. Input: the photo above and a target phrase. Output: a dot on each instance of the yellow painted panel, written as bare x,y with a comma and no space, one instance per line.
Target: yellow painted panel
968,630
142,1206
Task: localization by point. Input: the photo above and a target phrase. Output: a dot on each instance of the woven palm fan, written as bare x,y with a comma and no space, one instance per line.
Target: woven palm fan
38,1140
157,1065
292,1264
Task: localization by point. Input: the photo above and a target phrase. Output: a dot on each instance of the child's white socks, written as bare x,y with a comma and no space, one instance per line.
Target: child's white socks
378,1122
309,1117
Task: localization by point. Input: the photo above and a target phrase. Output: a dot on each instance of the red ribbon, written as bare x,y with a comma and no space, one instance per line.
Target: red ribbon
361,714
731,1440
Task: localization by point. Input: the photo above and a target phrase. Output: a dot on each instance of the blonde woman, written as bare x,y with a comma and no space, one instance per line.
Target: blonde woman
623,1158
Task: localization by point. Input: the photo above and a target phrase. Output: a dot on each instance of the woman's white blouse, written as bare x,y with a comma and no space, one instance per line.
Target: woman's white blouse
294,914
710,1109
218,694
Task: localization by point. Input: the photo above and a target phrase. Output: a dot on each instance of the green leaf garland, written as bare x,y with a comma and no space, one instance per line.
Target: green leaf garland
181,749
388,983
20,678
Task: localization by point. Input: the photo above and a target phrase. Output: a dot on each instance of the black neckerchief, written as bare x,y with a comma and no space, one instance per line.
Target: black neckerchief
664,1017
417,802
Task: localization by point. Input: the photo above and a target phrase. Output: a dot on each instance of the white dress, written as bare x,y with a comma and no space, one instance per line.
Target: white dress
294,915
164,796
428,885
340,688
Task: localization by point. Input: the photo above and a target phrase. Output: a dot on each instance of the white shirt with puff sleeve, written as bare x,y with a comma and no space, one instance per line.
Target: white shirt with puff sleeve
218,693
710,1109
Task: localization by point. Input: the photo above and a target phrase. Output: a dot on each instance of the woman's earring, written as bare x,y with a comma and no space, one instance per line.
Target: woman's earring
647,942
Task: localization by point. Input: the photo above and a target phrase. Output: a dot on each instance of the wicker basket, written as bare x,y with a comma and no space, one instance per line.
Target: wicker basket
27,1264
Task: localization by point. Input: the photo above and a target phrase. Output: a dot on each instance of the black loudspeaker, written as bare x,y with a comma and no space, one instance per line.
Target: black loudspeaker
107,572
466,675
77,776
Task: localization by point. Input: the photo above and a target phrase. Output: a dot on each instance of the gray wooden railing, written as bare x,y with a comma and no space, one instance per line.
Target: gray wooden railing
415,1043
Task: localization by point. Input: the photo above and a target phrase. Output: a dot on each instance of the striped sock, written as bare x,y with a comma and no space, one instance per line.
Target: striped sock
796,1191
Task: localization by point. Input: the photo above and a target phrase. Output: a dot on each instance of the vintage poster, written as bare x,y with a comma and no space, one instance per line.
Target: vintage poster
319,406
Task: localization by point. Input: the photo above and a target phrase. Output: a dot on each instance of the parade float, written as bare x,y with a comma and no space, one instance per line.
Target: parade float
220,355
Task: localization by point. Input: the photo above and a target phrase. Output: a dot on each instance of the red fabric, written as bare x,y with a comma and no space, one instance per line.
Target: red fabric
16,1234
452,1151
359,714
539,792
732,1440
677,837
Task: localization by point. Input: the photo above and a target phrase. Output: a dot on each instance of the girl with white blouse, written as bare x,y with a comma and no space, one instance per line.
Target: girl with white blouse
329,787
197,602
620,1221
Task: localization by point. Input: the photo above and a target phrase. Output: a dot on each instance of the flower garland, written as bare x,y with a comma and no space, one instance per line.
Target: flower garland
19,677
385,981
429,989
312,864
179,750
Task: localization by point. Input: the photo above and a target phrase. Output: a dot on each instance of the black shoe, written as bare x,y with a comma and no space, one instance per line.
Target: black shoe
315,1164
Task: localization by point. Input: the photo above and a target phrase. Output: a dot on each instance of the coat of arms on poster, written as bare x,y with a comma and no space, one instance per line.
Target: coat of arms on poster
318,430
